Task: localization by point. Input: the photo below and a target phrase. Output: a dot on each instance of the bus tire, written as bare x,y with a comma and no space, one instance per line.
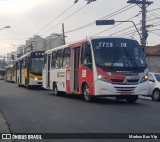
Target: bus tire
132,99
156,95
55,89
19,85
28,86
86,93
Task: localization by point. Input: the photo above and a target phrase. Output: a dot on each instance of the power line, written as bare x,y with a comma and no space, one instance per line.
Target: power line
65,19
108,16
155,33
57,17
114,27
123,29
153,9
154,30
127,33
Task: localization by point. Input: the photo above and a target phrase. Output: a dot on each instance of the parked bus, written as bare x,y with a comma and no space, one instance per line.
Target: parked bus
29,69
97,67
10,73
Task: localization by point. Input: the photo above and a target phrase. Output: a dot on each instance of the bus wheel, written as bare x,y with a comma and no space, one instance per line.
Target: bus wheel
19,85
156,95
28,86
132,99
55,89
86,93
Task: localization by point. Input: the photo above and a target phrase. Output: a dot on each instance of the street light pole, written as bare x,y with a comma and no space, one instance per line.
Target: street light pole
134,26
2,29
5,27
112,22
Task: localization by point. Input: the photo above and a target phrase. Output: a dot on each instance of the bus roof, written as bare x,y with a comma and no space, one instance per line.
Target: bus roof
78,43
9,66
25,55
98,37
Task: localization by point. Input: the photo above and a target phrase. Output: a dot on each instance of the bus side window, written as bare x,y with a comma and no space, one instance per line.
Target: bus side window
86,54
66,58
17,65
22,63
25,62
53,62
45,59
59,58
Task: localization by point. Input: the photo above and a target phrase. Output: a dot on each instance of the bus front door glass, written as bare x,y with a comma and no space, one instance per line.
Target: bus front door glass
76,68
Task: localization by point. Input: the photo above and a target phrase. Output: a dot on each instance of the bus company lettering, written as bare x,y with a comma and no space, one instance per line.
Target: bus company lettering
60,74
143,136
83,73
21,137
34,137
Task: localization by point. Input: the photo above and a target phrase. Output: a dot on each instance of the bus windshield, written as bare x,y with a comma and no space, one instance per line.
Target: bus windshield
117,53
36,65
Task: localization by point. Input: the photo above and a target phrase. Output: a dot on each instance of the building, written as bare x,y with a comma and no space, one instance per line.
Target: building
20,50
2,64
36,43
153,50
52,41
11,57
153,58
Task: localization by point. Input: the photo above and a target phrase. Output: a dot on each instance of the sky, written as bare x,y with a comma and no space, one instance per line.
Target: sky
44,17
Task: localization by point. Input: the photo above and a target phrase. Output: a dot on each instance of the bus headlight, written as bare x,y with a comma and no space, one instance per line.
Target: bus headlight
144,78
101,77
35,78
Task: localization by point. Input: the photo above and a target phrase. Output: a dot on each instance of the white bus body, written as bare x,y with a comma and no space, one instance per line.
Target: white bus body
101,66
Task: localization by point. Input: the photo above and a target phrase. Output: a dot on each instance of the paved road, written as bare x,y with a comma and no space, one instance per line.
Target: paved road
36,111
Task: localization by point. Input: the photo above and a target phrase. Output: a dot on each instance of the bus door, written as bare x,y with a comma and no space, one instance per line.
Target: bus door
48,68
20,69
28,70
76,54
16,71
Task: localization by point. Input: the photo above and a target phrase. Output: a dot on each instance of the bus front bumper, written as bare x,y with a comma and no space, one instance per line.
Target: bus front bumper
107,89
35,82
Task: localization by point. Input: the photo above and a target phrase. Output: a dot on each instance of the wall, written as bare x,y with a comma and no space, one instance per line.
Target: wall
153,63
52,41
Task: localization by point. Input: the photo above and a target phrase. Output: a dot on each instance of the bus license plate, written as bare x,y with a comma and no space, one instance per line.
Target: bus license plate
125,93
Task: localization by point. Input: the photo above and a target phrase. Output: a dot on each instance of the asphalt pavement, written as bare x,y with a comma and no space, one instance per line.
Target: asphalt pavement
38,111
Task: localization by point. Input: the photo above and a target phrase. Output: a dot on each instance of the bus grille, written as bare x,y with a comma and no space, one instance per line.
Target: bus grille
117,80
132,80
128,89
128,81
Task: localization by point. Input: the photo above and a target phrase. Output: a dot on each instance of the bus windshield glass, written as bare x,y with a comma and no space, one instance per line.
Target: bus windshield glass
36,65
117,53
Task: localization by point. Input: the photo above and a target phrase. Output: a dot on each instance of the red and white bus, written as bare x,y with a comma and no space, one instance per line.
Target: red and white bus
97,67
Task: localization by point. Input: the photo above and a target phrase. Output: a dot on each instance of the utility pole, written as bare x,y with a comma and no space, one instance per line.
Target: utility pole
143,4
63,34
